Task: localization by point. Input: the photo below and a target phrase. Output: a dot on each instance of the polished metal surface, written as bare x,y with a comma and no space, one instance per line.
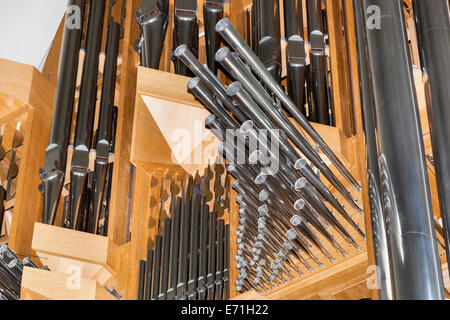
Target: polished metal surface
379,237
415,265
433,29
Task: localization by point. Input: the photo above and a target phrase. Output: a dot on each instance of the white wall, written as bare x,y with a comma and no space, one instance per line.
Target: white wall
27,29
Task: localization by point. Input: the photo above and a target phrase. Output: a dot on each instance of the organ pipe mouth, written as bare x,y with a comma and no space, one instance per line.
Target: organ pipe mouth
300,164
234,88
299,204
193,83
180,50
222,53
223,24
210,119
300,184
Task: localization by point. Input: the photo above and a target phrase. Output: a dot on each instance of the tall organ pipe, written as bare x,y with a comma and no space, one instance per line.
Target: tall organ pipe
266,33
86,110
104,123
433,26
415,264
56,154
379,242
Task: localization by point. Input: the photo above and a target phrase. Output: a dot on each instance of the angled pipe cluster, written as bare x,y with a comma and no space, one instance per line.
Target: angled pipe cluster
281,210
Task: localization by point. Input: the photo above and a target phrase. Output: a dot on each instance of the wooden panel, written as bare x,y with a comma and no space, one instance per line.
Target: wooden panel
360,137
340,82
250,295
26,84
140,229
44,285
117,230
50,241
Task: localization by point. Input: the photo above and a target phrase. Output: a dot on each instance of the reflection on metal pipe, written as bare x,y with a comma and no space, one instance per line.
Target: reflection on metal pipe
433,26
379,241
416,272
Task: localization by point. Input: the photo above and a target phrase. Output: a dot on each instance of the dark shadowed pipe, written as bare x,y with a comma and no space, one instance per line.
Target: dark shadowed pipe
185,31
154,21
379,242
296,71
433,28
293,18
416,270
212,12
266,33
56,154
319,108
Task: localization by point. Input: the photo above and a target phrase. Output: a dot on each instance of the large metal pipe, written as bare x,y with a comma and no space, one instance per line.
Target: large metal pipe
104,122
416,272
230,34
293,18
379,240
212,12
86,111
319,104
52,174
314,14
433,28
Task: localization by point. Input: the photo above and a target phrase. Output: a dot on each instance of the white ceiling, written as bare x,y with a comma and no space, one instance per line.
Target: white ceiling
27,29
